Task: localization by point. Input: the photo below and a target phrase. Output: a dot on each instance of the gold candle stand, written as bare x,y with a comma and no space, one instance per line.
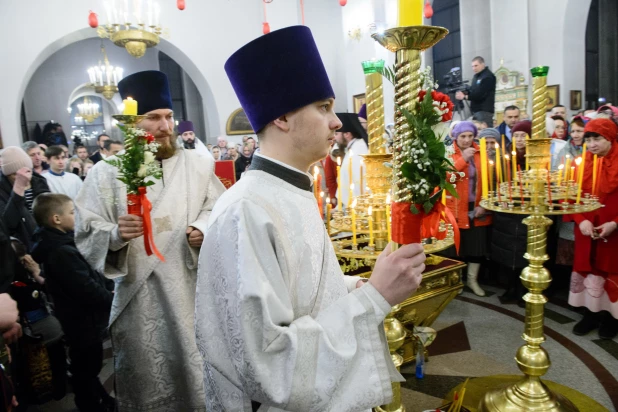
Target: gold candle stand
374,98
407,44
129,120
530,393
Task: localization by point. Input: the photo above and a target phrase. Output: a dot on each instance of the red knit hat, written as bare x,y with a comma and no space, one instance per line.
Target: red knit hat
523,126
603,127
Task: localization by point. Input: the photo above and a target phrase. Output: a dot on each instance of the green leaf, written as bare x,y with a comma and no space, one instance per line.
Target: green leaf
451,189
407,169
427,206
414,210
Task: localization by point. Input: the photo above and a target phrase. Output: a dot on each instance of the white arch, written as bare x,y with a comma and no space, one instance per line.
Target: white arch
211,113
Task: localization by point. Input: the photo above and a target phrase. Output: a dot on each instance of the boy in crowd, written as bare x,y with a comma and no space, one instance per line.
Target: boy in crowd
82,297
57,179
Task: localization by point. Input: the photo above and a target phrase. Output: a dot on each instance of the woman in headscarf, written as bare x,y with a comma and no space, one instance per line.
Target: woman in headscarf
471,218
594,282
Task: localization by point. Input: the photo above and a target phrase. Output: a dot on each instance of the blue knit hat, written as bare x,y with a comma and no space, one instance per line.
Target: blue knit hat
150,89
463,127
277,73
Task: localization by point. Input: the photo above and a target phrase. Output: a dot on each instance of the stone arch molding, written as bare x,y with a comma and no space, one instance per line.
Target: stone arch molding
211,114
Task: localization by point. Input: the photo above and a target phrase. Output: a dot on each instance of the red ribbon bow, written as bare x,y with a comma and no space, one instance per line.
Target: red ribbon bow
149,243
408,227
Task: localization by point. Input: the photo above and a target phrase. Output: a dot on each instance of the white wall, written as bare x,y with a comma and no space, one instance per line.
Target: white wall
48,92
474,17
202,38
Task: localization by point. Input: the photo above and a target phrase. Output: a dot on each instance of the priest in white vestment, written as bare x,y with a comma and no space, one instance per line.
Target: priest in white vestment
156,362
188,140
353,137
278,324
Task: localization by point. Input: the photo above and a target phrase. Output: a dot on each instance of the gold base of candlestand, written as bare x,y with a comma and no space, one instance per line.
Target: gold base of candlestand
129,120
395,336
529,394
410,37
379,176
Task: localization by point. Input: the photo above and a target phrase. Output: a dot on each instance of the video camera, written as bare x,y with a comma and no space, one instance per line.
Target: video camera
454,82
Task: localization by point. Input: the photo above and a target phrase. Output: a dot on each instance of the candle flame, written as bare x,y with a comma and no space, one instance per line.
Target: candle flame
351,186
328,200
369,210
514,153
560,167
321,194
353,205
578,161
315,170
506,157
388,199
491,162
497,146
568,156
338,161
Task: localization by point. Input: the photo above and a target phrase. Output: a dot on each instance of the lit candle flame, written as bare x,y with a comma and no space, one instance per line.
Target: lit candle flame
491,162
315,170
578,161
514,153
506,157
497,146
353,203
327,199
338,161
352,187
388,199
561,167
321,194
369,210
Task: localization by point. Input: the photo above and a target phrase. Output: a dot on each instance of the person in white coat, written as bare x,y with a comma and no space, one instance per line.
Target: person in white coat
353,137
188,140
279,326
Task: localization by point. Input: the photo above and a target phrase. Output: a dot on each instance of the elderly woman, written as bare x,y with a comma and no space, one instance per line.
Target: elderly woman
594,282
471,218
574,145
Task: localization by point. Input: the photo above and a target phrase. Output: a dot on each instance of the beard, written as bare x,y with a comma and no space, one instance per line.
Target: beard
189,144
166,149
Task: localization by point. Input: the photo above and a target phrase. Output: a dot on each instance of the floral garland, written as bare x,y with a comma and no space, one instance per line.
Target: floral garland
137,166
426,165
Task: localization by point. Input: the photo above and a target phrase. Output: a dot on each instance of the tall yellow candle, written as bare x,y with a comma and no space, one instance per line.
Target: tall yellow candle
410,13
483,155
388,217
560,168
130,107
491,176
370,221
514,164
339,187
498,166
351,194
329,208
567,167
361,177
580,171
444,197
594,174
526,153
354,223
573,172
316,189
503,156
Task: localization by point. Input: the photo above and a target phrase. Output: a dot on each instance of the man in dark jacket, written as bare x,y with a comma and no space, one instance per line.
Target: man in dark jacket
482,92
19,186
510,119
82,297
97,156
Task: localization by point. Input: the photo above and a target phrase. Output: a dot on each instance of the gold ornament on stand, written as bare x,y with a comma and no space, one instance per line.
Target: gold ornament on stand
536,192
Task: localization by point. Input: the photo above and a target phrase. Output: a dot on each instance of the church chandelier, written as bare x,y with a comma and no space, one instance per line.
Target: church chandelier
88,110
134,25
104,77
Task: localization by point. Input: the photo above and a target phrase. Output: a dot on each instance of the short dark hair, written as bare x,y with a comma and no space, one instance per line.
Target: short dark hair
53,151
558,105
511,107
110,142
48,204
102,134
249,137
558,117
478,59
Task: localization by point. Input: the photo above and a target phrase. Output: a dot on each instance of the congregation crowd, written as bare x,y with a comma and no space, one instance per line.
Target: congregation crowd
53,265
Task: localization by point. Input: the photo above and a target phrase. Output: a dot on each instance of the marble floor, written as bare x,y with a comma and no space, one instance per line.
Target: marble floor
479,337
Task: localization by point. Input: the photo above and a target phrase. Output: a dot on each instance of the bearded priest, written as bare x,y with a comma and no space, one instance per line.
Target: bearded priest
156,361
278,324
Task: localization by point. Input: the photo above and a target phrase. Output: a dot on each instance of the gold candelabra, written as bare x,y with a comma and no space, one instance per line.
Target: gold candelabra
537,192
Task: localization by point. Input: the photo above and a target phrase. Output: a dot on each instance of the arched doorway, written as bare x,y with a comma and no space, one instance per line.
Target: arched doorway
209,114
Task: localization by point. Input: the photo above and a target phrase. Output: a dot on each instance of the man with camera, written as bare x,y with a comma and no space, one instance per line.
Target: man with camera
481,93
